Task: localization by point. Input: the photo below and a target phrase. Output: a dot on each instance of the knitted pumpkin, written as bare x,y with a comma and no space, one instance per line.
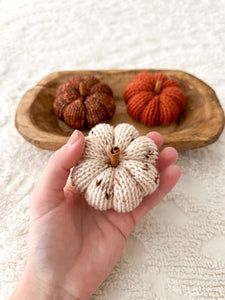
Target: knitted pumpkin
154,99
118,168
83,102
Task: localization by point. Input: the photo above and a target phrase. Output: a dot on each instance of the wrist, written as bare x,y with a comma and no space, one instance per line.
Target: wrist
31,287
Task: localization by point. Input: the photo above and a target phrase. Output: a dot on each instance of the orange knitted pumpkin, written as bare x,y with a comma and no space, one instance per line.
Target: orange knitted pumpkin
154,99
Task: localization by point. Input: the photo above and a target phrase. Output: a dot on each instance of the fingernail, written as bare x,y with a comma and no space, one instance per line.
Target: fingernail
74,138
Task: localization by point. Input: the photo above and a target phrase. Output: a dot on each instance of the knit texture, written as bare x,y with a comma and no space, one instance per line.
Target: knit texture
177,251
121,188
83,102
154,99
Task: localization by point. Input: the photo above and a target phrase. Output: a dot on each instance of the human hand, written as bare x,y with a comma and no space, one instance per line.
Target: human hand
72,247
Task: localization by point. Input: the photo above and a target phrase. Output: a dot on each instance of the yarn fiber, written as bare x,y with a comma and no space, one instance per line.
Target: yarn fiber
154,99
123,187
83,102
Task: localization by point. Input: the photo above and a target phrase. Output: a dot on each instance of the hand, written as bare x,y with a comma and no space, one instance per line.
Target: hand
73,247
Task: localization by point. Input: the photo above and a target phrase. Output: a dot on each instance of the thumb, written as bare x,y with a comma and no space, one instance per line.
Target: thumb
50,187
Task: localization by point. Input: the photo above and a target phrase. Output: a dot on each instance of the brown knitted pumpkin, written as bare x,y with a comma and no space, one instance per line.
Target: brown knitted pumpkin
83,102
154,99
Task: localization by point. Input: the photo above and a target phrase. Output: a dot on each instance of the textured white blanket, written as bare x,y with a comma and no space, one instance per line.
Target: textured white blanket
178,250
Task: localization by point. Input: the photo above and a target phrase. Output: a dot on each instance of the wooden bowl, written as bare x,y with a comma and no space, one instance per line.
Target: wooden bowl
200,125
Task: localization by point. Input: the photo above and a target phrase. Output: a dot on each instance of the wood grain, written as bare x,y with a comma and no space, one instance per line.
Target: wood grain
200,125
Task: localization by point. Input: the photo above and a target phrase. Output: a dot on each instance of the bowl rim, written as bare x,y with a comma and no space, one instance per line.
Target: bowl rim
53,141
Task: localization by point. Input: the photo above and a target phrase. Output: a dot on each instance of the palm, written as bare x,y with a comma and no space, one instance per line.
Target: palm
80,237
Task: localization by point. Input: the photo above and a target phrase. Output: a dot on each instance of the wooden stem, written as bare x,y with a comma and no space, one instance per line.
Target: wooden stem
158,86
114,156
82,89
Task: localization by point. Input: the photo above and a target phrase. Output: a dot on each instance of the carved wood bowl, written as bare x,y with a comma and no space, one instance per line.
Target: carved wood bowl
200,125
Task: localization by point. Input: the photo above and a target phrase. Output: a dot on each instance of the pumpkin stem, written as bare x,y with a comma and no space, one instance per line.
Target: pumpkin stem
114,156
158,86
82,89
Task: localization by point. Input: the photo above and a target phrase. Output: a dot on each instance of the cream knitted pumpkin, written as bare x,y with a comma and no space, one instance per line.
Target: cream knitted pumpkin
117,169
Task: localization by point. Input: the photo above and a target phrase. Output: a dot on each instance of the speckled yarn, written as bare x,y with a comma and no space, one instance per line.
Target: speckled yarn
123,187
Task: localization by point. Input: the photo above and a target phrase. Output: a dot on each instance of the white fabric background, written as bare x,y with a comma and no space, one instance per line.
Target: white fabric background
178,250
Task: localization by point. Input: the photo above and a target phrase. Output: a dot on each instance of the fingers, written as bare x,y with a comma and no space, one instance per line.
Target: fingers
167,157
168,179
58,168
156,137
